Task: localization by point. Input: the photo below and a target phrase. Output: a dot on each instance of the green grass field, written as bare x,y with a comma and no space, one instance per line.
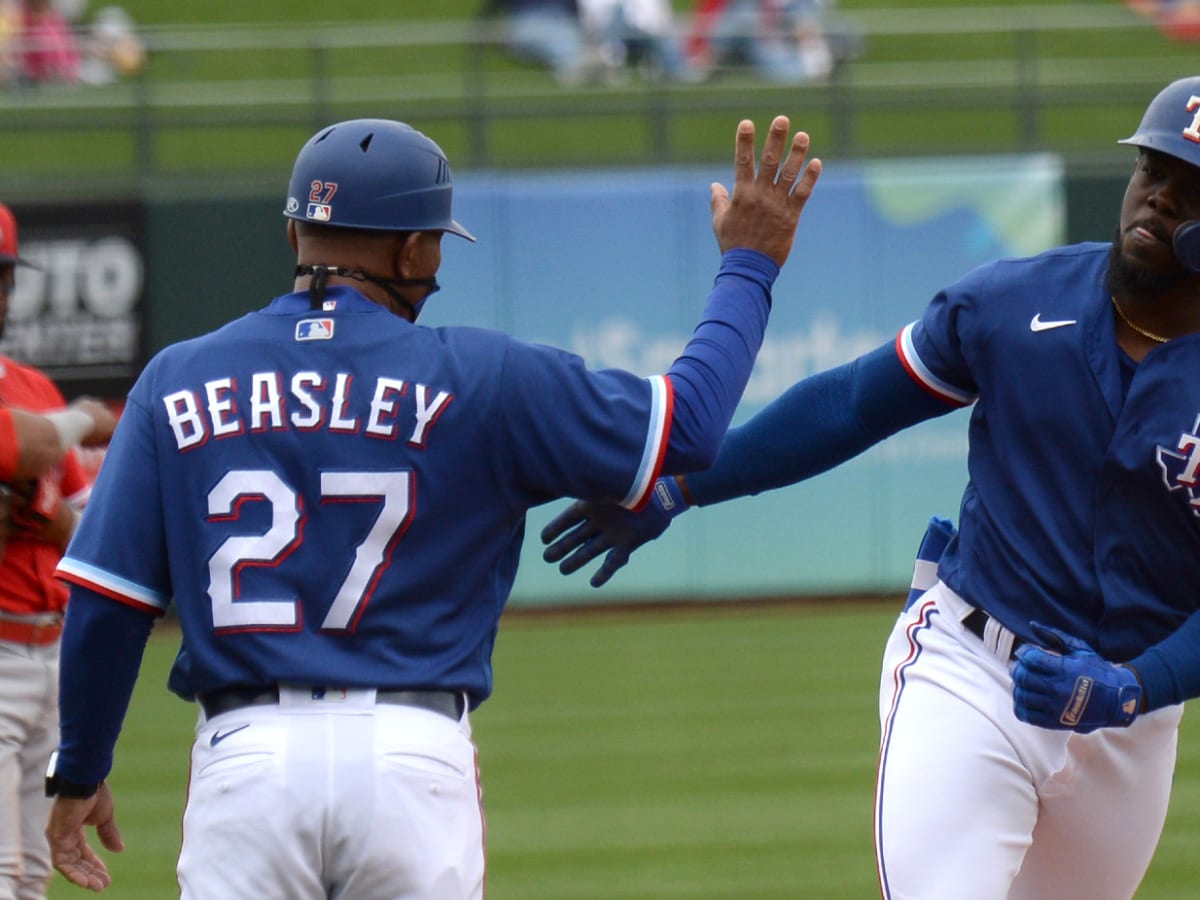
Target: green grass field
721,753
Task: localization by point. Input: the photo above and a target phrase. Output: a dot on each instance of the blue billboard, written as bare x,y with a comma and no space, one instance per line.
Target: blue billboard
616,266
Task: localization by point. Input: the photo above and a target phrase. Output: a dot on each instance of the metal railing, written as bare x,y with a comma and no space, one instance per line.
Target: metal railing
219,102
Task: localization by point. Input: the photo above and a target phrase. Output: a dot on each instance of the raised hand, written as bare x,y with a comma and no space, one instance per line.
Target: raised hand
1070,687
585,530
765,207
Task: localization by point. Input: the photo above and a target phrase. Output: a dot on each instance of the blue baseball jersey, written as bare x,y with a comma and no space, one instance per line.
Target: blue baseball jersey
339,496
1083,506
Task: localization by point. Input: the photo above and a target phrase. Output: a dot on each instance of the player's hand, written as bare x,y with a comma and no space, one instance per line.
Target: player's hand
585,530
765,207
1068,686
69,849
103,421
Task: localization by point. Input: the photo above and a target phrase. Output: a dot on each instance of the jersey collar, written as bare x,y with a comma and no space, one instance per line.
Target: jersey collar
341,298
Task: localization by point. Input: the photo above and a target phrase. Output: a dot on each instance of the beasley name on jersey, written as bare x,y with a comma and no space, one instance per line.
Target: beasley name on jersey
305,401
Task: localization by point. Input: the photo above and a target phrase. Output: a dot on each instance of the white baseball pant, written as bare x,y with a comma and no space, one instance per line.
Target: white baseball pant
971,802
28,735
332,796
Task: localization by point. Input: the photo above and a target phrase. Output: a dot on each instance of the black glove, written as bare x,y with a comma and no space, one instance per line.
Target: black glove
590,529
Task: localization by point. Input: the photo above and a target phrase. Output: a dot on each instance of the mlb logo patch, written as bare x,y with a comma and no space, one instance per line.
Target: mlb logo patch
314,330
319,212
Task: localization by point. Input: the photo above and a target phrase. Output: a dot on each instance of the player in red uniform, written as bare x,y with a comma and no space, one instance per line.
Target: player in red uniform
41,483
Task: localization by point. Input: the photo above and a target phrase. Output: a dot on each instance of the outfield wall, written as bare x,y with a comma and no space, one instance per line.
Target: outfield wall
617,269
616,266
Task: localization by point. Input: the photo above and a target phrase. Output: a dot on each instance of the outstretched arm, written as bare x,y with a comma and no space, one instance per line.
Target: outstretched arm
30,443
755,227
814,426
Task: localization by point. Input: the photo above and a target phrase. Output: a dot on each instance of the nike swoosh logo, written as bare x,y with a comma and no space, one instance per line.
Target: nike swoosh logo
1036,324
219,736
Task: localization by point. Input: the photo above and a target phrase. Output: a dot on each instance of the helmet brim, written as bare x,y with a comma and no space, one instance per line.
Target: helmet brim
1166,145
7,259
456,228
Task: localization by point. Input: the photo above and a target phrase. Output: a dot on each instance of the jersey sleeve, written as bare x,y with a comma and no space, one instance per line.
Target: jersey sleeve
127,501
597,435
607,435
934,349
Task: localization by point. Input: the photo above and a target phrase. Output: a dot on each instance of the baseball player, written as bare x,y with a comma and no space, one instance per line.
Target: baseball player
334,498
1031,692
41,483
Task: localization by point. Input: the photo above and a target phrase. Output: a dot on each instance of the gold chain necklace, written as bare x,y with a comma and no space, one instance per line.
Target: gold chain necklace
1142,331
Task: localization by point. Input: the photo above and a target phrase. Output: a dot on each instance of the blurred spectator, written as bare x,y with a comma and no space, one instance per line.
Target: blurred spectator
45,48
544,32
636,32
785,41
1177,19
112,48
9,26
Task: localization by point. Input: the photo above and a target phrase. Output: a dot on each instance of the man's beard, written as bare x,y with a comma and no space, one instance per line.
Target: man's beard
1130,280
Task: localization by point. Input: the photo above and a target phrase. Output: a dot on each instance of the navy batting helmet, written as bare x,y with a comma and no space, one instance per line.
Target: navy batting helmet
1171,124
375,174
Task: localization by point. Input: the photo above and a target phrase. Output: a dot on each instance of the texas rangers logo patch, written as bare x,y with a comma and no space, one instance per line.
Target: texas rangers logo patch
1192,132
314,330
1181,466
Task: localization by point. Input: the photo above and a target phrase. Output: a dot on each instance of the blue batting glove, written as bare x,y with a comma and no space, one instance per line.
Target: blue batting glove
586,529
1068,686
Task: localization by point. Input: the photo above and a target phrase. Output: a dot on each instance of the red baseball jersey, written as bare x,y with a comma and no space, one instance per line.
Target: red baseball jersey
27,581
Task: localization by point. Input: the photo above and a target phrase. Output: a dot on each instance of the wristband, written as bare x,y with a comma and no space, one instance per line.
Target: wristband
57,786
671,494
72,425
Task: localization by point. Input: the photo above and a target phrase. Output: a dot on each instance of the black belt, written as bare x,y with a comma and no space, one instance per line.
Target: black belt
448,703
976,623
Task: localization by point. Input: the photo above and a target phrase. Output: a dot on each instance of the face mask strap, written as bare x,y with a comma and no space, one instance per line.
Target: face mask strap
320,276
